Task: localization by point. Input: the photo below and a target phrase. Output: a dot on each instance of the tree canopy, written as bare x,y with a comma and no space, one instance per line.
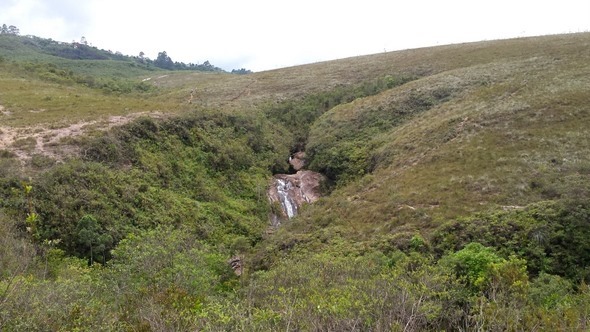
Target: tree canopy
9,30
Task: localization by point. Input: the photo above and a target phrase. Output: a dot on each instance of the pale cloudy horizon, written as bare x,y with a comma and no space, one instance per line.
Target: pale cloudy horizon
262,35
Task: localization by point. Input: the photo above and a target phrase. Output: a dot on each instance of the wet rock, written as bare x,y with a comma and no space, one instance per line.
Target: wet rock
291,191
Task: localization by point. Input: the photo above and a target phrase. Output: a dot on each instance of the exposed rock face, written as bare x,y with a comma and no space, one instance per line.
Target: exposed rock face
236,264
297,160
291,191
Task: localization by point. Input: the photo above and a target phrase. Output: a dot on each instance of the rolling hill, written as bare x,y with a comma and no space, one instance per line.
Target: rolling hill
456,192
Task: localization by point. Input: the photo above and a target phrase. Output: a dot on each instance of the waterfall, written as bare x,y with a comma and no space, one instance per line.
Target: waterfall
292,191
283,187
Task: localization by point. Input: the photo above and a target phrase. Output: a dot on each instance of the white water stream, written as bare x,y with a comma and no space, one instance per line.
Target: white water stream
283,187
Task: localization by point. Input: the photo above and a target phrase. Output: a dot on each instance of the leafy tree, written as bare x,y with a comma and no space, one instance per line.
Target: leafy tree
89,235
164,61
4,29
141,57
550,291
241,71
12,30
473,264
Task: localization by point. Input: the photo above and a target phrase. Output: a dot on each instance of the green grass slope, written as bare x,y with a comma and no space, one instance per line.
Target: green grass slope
488,135
81,58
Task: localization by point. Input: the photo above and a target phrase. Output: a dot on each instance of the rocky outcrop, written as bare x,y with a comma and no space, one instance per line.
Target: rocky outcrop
291,191
236,264
297,160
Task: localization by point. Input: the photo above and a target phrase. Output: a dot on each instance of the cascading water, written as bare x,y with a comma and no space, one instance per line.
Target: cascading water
291,191
283,187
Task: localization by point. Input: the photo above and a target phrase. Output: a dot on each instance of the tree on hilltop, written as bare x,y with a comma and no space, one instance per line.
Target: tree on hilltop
9,30
241,71
164,61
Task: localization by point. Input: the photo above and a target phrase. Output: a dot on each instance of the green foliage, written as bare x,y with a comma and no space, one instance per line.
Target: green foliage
74,56
299,115
52,73
26,144
76,51
241,71
551,291
17,253
206,170
90,235
176,274
347,292
473,264
343,143
551,236
9,166
42,50
418,243
9,30
40,162
164,61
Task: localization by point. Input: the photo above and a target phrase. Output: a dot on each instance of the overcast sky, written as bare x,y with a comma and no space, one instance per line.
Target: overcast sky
267,34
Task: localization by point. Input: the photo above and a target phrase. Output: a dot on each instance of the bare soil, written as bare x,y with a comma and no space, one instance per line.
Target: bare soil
48,138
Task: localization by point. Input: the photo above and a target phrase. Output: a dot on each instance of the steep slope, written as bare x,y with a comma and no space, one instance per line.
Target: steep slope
505,133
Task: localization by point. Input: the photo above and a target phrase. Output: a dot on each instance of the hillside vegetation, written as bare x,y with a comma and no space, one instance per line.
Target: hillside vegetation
456,192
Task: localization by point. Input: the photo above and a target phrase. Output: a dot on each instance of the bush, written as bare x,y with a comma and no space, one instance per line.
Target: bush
551,236
473,265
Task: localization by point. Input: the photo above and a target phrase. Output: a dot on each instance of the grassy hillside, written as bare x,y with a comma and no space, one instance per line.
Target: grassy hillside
81,58
456,194
466,139
489,137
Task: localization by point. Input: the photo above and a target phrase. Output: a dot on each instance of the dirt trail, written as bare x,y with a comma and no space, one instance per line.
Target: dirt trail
25,142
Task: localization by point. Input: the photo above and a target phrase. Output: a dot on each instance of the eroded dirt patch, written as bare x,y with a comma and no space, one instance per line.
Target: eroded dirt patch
47,140
4,111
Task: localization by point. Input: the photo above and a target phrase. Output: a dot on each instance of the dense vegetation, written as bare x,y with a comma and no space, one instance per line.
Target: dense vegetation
457,194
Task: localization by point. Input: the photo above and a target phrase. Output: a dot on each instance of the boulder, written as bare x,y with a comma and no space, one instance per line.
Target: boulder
297,160
236,264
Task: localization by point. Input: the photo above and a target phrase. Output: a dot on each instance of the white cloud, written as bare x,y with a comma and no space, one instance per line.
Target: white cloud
62,20
265,34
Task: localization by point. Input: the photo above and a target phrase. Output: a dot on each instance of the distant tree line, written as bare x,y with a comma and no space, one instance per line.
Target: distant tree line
165,62
241,71
84,51
9,30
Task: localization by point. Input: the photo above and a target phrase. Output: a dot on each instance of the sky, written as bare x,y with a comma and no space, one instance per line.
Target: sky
267,34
